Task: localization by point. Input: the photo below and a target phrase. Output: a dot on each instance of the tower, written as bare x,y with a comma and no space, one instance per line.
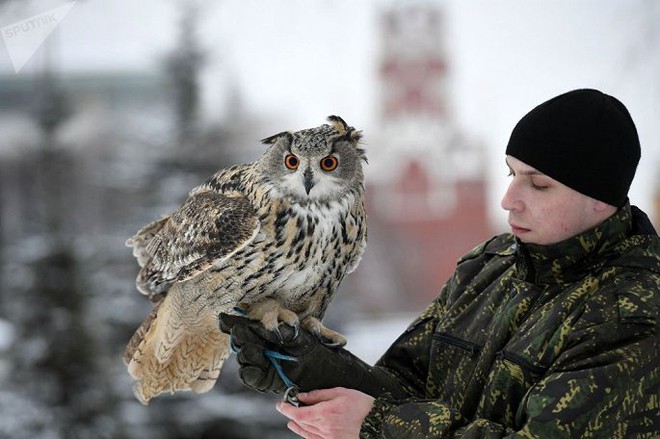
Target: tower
426,182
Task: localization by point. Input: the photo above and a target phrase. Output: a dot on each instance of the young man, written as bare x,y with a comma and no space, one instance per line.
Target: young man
549,331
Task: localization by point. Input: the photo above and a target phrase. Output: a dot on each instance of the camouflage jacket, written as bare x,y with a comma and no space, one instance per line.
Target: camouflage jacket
536,342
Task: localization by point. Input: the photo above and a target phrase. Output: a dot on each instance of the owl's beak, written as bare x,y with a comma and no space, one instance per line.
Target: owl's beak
308,180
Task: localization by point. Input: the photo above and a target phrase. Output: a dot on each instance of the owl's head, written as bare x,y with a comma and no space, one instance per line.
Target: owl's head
315,164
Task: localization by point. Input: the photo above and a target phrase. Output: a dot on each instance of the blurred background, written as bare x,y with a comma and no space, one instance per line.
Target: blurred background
111,111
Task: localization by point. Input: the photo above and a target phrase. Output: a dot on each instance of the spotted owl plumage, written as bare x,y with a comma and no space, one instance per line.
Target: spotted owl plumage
276,236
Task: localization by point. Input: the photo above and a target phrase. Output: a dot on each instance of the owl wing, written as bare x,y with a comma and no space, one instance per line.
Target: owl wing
356,226
206,230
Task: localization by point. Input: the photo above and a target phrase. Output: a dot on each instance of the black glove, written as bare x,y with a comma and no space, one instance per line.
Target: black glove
312,365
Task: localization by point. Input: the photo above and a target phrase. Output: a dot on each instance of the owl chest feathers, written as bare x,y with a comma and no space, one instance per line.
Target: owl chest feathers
298,250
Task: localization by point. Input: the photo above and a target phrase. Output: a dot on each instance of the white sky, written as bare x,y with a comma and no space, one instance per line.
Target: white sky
304,59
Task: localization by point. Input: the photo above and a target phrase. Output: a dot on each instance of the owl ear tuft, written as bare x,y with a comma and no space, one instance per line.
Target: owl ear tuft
347,132
274,138
339,124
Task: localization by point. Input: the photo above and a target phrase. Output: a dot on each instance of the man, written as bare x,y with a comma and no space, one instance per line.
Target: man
549,331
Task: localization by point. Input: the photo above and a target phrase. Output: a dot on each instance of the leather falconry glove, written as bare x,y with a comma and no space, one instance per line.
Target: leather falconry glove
304,361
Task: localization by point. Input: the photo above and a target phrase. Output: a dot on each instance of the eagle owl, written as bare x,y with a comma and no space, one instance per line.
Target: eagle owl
275,237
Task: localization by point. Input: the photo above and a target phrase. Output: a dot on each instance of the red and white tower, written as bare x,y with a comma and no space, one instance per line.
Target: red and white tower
426,184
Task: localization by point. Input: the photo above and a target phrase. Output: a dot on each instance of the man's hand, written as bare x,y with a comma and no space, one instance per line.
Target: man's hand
312,365
328,414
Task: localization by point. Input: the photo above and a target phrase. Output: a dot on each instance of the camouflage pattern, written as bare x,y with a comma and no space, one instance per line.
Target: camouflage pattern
532,341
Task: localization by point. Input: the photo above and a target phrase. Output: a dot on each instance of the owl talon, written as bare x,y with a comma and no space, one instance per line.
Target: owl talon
327,337
271,314
331,343
289,336
280,337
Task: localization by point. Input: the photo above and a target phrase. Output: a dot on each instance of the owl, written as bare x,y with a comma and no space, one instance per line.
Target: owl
274,237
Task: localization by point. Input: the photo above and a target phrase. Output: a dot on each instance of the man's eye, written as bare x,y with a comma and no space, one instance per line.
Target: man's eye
539,188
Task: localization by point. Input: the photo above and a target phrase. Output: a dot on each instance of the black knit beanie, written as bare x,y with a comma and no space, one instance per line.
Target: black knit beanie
584,139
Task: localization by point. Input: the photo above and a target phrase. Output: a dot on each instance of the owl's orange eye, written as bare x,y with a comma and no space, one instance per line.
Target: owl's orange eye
329,163
291,162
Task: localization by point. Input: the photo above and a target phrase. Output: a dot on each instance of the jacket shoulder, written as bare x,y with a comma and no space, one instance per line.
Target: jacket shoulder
625,296
635,279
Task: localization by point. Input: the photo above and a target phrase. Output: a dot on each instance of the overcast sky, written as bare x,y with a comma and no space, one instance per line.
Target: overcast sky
305,59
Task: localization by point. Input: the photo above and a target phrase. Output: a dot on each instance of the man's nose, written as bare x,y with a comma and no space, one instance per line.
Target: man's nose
511,200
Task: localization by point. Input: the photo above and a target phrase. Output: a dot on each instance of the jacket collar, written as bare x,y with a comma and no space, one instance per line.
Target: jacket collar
572,259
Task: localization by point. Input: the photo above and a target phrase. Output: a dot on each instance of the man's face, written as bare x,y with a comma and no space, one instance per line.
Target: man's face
543,210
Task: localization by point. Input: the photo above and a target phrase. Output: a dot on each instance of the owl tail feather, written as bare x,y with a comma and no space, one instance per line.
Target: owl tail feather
165,355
